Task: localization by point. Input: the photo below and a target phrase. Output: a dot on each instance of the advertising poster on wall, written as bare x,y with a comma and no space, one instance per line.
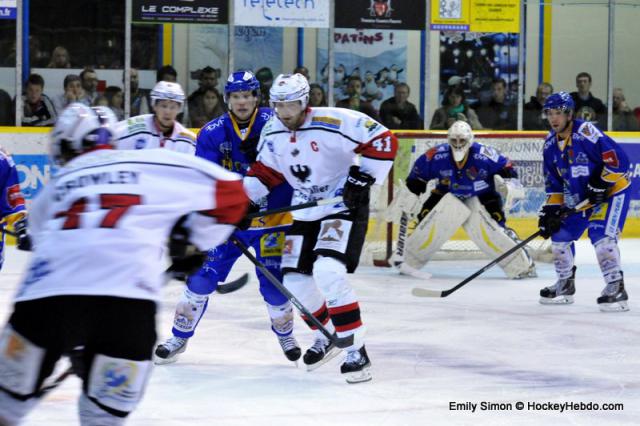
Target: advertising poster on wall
473,60
8,9
378,57
255,47
175,11
475,15
389,14
264,13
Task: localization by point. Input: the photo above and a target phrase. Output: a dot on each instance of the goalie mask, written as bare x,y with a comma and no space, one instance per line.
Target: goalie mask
460,138
80,129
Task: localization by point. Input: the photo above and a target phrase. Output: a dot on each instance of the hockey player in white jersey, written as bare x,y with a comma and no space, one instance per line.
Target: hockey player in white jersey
99,229
160,129
465,195
317,151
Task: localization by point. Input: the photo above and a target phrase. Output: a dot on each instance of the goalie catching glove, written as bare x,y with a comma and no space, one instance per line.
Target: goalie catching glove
356,188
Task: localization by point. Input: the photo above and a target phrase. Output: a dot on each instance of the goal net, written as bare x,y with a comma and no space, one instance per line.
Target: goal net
523,148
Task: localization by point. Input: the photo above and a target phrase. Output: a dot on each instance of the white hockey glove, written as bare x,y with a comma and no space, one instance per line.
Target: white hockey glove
510,190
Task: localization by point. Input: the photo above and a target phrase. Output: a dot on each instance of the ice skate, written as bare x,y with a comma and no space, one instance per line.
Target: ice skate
290,348
614,298
320,353
356,366
167,352
561,293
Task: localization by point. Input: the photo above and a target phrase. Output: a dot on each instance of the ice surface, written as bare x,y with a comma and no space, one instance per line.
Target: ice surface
489,341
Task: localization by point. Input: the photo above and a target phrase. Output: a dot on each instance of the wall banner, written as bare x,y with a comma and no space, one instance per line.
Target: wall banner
386,14
8,9
490,16
183,12
282,13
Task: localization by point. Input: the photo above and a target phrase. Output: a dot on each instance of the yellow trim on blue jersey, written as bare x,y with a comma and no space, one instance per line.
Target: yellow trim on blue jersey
272,221
563,143
555,198
236,128
620,185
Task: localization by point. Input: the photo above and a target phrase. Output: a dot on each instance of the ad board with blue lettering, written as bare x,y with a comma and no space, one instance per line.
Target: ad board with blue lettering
282,13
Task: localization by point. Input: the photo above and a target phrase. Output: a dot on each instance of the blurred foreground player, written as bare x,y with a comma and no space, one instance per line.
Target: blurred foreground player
100,227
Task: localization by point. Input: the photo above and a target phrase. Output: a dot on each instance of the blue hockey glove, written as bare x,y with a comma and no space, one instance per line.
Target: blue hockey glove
356,188
549,220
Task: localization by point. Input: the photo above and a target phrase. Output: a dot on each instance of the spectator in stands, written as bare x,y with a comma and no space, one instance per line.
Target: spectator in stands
317,97
533,117
265,77
207,80
398,113
6,109
89,80
624,120
302,70
38,58
497,114
353,101
60,58
38,110
73,92
207,107
140,100
584,98
167,73
454,108
115,100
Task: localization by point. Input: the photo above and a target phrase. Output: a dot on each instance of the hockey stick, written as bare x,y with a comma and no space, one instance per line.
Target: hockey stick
234,285
285,209
423,292
341,342
402,236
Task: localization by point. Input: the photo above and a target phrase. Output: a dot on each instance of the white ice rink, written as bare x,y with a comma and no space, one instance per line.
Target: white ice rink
489,342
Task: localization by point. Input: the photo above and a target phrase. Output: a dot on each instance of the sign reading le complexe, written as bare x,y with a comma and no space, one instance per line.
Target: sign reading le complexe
184,12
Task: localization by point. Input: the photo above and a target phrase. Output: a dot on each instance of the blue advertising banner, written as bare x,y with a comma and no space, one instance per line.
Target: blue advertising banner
8,9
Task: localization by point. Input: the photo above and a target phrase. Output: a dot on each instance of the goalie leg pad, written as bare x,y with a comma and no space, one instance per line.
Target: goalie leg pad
494,240
434,230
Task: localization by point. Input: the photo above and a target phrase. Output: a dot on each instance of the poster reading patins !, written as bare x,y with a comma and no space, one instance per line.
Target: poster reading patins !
389,14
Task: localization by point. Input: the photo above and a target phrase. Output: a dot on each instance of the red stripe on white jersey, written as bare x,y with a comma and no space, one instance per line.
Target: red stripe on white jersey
269,177
382,147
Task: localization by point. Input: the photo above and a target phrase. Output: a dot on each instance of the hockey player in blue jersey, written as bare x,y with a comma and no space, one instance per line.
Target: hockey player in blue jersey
464,195
580,163
13,215
231,141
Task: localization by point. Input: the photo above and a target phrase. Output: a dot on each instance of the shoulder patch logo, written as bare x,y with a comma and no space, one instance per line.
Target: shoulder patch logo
589,131
610,158
330,122
431,152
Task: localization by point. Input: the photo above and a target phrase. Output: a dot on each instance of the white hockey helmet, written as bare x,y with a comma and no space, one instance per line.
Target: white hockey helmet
79,129
167,90
289,88
460,138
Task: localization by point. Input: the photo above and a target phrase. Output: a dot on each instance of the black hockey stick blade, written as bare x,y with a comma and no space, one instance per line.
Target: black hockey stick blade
234,285
285,209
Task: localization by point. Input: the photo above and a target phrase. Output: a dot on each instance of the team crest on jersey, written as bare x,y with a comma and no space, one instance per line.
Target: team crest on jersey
329,122
301,172
371,126
610,158
582,158
489,152
431,153
472,172
589,132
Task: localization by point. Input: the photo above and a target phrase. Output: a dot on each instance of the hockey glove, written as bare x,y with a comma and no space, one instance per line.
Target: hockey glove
549,220
428,205
23,240
356,188
186,259
597,190
245,222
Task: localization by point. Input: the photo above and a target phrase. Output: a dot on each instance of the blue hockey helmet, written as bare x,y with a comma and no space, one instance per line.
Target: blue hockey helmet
240,81
561,101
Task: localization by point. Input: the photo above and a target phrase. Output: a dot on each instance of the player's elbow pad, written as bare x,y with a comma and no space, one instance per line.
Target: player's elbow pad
416,186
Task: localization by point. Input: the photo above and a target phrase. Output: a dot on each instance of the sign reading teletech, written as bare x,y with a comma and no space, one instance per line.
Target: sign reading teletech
180,11
386,14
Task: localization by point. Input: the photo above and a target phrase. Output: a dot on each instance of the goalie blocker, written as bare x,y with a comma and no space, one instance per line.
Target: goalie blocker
439,225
